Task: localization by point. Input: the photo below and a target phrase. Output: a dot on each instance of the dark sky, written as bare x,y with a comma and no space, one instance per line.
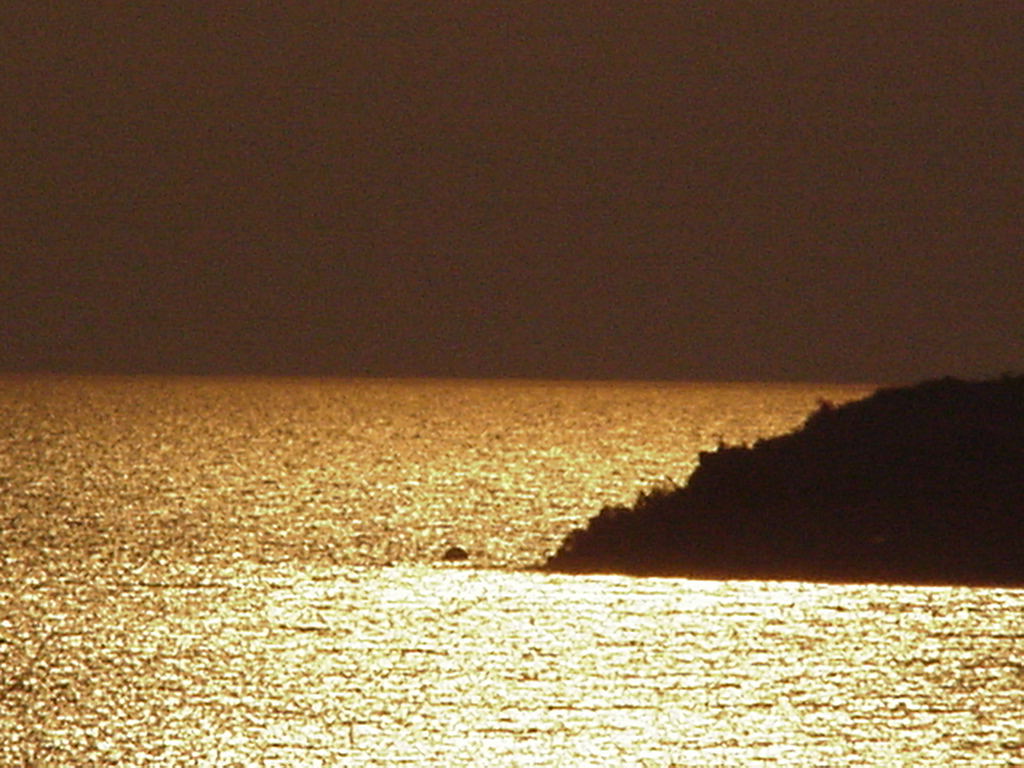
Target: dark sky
683,190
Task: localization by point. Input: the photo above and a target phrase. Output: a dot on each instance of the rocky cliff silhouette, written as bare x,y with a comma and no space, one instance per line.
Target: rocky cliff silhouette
920,484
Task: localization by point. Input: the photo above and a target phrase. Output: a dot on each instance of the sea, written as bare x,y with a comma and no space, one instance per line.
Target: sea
250,572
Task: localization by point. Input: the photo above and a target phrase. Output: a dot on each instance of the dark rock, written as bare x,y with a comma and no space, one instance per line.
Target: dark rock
921,484
455,554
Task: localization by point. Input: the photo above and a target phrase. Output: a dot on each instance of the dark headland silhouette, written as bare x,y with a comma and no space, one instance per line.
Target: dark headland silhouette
913,485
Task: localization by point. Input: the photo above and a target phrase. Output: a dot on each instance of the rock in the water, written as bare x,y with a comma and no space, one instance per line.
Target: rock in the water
455,554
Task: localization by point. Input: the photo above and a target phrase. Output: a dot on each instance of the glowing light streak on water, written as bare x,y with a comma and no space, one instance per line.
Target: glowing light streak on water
194,574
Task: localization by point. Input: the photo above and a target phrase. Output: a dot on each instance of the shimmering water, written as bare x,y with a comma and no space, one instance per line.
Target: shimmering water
246,573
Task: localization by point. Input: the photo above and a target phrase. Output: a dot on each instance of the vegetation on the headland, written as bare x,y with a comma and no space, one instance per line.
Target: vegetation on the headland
920,484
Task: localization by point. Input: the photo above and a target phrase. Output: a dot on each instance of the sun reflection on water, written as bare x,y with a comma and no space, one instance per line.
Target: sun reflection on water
196,574
466,667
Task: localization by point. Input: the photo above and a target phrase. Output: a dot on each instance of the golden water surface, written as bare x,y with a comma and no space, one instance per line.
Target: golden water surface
246,572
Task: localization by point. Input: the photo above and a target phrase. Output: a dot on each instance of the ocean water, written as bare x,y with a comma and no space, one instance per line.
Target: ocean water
248,572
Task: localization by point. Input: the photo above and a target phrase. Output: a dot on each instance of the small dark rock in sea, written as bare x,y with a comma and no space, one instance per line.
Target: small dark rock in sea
454,554
921,484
